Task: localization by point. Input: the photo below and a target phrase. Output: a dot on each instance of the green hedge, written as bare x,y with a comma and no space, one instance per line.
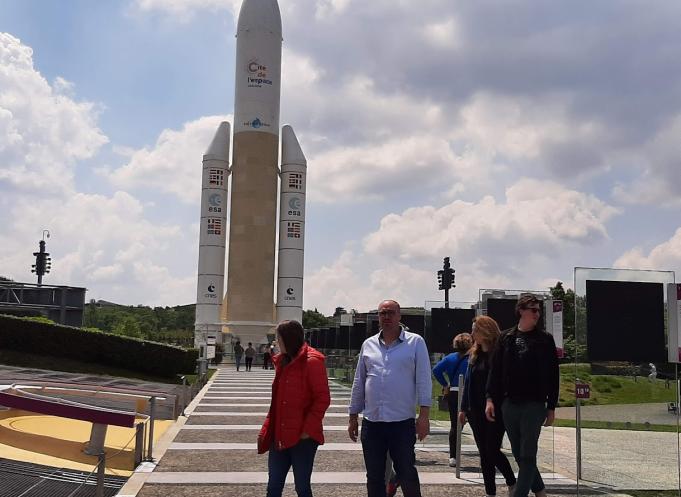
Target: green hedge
95,346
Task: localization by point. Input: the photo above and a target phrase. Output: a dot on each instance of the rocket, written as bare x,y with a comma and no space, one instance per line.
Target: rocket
248,309
291,228
212,238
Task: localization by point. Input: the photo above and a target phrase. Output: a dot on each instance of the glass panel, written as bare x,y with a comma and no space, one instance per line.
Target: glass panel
627,428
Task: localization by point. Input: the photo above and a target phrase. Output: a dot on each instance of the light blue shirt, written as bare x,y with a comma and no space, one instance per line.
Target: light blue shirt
391,380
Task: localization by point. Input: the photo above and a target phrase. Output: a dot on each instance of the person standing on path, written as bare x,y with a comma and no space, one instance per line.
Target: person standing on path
238,354
453,365
250,355
391,379
525,378
266,356
293,430
488,435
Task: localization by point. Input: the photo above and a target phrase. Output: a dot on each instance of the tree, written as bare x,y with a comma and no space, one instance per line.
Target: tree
5,278
315,319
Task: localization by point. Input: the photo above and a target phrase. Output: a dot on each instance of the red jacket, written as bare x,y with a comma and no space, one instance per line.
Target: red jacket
300,398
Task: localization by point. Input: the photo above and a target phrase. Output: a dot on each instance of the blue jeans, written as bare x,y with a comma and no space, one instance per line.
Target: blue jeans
301,457
398,439
523,423
237,359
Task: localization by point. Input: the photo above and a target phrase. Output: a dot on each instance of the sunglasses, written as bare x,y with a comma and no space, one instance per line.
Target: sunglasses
536,310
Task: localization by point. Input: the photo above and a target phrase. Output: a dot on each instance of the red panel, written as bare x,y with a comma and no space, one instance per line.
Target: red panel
90,414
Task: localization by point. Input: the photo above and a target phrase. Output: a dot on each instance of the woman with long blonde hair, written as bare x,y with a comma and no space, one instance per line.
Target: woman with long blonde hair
488,435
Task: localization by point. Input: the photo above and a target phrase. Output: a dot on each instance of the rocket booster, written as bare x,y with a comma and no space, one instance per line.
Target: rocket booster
212,236
291,228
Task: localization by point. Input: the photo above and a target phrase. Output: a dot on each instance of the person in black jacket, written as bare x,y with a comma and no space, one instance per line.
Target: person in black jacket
488,435
525,379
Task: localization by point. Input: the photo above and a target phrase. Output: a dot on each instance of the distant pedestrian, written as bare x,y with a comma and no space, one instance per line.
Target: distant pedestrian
250,355
488,435
266,356
392,378
238,354
300,397
453,365
525,379
273,352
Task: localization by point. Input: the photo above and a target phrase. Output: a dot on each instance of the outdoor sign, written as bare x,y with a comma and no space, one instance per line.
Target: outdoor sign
210,352
554,324
674,321
582,390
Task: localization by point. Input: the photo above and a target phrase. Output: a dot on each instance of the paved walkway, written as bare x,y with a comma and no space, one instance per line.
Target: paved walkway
212,452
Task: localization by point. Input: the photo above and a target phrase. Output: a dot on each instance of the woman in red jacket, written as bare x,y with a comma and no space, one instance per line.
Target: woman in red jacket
300,396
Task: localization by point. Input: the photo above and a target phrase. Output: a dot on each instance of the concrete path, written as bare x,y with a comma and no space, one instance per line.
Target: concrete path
212,451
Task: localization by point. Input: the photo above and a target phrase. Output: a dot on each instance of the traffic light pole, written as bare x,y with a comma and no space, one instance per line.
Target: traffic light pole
445,278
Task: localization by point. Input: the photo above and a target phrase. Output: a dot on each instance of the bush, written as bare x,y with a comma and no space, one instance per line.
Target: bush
95,346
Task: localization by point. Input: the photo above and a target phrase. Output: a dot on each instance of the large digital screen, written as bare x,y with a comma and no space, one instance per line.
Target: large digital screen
358,333
625,321
445,325
503,312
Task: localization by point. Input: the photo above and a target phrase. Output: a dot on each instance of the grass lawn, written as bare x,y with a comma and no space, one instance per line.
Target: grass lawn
605,389
611,389
616,425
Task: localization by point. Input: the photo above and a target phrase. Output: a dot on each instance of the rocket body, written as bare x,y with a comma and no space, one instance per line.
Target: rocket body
291,228
211,267
248,305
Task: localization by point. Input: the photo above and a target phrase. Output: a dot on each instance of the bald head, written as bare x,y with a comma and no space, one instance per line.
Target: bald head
389,316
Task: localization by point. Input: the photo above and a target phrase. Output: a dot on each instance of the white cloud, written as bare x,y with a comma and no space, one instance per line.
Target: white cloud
536,215
105,244
173,165
492,244
664,257
443,34
44,130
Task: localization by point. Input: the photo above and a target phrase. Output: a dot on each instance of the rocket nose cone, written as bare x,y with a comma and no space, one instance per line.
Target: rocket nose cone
219,147
291,153
259,15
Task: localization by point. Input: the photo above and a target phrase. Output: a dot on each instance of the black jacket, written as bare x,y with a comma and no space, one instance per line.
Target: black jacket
525,368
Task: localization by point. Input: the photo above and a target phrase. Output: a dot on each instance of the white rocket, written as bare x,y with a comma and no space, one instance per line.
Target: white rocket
291,228
212,238
249,311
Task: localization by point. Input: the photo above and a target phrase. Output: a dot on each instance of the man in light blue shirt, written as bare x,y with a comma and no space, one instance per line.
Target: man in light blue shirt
391,379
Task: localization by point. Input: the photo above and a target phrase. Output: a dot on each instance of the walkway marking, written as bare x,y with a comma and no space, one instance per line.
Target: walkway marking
263,414
240,397
334,446
349,477
216,404
250,427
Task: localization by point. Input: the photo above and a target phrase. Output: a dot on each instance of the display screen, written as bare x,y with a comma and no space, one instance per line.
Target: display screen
358,333
445,325
625,321
503,312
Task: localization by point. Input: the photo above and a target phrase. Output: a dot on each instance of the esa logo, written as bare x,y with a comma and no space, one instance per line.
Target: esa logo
290,294
215,203
211,292
295,207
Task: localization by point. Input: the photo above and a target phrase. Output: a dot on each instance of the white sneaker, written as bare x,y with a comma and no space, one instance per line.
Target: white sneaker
452,462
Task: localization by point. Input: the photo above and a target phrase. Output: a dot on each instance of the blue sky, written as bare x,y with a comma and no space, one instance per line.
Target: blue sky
519,139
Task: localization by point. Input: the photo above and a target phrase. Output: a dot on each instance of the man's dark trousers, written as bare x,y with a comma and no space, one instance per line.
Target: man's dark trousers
523,423
397,438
